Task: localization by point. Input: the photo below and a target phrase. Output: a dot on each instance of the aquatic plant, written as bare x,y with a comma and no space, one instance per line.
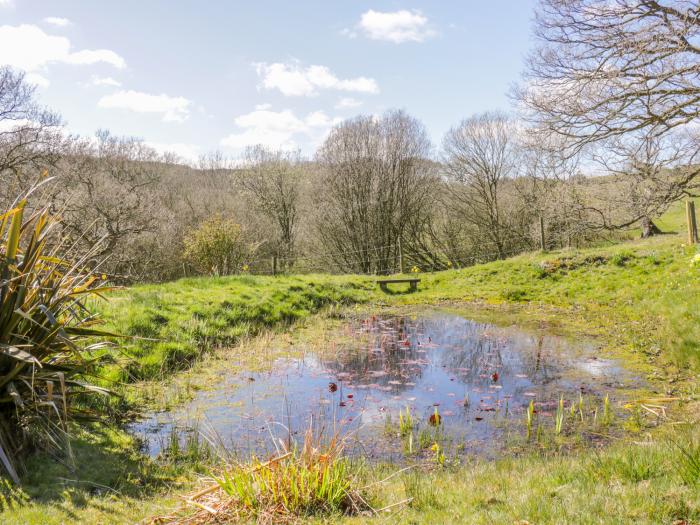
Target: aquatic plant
559,418
406,423
439,454
607,414
435,419
529,418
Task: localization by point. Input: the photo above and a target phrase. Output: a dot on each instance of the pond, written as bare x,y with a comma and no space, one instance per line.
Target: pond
476,380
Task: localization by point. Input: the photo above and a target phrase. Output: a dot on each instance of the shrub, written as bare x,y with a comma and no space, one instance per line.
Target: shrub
44,331
218,247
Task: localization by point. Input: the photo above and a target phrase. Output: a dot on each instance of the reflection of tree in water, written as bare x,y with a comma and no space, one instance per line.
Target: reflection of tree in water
390,353
396,351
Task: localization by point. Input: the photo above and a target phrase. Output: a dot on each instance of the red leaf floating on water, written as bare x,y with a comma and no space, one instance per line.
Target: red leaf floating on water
478,418
494,376
349,396
332,387
342,403
434,419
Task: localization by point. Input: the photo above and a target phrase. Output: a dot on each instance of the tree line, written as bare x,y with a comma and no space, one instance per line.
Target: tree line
602,139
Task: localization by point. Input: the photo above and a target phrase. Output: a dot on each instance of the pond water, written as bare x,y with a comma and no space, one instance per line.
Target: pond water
479,377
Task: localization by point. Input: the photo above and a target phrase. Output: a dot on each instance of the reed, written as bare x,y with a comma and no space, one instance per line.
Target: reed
559,418
530,414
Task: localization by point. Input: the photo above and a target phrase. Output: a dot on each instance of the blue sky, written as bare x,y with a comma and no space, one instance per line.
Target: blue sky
200,76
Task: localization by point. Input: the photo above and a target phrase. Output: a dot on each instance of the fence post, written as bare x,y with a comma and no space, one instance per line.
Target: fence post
543,245
692,224
401,257
695,222
274,265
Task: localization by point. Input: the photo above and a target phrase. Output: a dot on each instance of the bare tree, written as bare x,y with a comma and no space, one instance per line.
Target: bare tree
108,195
480,155
605,68
376,178
273,179
646,174
30,136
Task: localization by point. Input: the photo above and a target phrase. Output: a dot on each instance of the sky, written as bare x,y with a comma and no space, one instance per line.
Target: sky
192,77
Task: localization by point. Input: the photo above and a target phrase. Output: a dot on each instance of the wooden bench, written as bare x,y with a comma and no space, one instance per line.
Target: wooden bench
413,283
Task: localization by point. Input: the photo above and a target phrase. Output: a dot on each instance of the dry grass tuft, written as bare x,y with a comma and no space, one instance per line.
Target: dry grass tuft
315,479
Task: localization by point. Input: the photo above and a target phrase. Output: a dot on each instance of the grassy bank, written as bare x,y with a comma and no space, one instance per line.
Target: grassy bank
170,325
641,299
644,294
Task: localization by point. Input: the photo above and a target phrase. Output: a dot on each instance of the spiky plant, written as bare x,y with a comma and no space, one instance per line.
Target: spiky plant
47,336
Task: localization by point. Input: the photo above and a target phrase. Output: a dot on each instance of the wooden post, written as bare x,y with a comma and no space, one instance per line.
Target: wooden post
542,239
694,221
274,265
401,270
692,225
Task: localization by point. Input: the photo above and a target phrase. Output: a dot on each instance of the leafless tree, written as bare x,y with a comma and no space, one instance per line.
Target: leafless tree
646,173
480,156
30,138
377,177
273,179
107,196
605,68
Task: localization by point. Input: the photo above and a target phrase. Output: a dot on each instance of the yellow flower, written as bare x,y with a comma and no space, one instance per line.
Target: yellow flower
104,277
435,447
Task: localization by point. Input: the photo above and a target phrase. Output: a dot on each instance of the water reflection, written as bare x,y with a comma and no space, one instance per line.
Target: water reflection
479,376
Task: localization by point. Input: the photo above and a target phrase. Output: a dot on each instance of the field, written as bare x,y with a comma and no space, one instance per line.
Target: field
639,299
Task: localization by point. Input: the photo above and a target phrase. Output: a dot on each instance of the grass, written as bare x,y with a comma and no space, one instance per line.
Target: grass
625,483
641,299
173,324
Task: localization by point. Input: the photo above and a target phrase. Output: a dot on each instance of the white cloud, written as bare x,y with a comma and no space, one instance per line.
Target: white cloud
104,81
187,152
30,49
348,102
279,129
172,109
37,79
7,3
294,80
57,21
263,107
397,26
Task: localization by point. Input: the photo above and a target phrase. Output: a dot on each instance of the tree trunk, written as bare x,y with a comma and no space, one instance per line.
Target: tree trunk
649,228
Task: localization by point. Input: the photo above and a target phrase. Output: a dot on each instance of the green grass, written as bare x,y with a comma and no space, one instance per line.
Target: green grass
641,299
625,483
171,325
642,294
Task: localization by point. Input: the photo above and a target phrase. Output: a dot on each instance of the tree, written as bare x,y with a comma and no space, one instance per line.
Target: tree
647,173
218,247
377,176
605,68
272,178
107,196
479,156
30,136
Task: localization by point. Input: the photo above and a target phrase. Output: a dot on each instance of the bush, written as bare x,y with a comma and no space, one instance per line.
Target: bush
44,328
218,247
